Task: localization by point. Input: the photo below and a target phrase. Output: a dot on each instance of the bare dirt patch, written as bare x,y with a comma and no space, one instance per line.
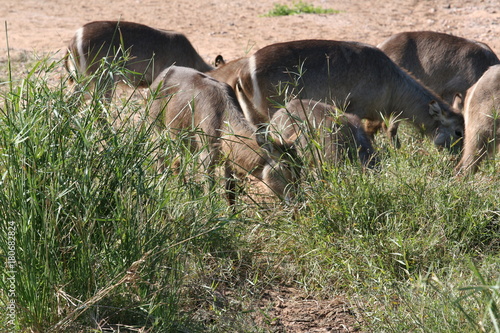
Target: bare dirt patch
233,28
289,310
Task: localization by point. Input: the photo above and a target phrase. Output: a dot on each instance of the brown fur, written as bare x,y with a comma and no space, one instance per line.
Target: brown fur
228,72
339,135
188,99
150,50
447,64
482,121
355,76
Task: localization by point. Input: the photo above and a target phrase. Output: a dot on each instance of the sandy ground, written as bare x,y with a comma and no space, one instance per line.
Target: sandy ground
236,28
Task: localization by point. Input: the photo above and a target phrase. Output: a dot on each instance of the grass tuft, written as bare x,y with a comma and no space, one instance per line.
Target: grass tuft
299,7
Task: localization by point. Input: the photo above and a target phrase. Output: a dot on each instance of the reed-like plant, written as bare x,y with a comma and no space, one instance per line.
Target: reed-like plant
99,232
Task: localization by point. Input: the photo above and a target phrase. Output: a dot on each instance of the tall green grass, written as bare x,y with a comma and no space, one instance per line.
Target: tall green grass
95,223
104,239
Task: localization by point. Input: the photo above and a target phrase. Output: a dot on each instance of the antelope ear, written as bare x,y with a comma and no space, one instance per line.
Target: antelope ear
458,101
219,61
263,136
435,111
267,141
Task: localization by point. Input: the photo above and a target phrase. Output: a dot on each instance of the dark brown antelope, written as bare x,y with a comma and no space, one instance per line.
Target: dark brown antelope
186,99
482,121
447,64
357,77
143,51
323,131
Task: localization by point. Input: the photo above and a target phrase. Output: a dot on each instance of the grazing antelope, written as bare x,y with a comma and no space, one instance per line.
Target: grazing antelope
355,75
339,135
447,64
188,99
482,121
145,51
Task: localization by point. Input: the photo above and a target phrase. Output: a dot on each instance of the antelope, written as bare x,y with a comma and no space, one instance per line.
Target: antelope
358,76
339,134
228,72
447,64
186,99
482,121
144,51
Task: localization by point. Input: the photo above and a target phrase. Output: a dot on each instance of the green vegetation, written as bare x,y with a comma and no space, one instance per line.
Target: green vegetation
298,8
95,236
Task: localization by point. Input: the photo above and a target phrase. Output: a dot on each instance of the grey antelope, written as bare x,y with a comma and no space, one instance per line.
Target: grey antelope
142,51
447,64
309,122
356,76
186,99
482,121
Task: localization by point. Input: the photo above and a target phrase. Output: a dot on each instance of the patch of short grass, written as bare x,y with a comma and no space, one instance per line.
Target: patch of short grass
299,7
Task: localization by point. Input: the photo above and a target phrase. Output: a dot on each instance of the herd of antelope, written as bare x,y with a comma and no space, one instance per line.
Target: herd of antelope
340,92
